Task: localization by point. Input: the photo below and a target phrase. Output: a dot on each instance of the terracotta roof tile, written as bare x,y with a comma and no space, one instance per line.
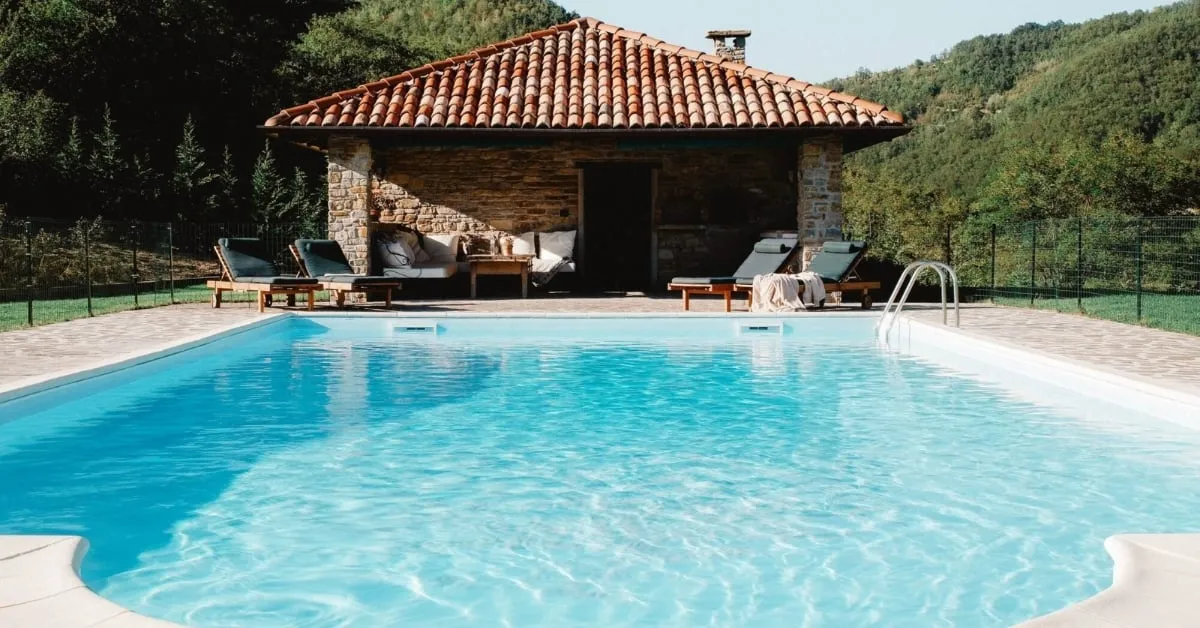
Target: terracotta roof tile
587,74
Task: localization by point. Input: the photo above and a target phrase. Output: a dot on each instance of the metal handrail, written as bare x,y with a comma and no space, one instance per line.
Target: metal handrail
909,277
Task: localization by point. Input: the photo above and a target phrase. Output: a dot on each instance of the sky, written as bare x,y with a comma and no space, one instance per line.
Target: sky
817,40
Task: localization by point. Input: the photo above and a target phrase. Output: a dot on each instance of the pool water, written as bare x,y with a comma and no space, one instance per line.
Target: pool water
334,475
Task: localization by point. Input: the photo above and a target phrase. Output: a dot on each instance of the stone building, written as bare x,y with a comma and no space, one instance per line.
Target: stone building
667,161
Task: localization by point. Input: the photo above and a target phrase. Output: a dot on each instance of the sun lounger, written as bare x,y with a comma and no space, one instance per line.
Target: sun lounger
246,267
325,262
837,265
770,255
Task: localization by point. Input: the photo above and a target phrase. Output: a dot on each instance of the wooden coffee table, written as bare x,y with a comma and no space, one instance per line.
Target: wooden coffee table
501,265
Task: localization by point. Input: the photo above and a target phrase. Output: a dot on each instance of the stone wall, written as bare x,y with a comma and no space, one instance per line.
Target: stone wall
819,211
712,200
350,199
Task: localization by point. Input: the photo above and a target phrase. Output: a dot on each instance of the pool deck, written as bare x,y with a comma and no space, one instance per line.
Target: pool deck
1154,575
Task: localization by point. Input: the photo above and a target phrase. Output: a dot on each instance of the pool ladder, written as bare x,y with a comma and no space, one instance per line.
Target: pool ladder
907,279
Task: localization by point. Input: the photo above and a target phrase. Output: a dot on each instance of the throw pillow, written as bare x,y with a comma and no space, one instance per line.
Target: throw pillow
414,243
442,248
394,252
524,244
557,245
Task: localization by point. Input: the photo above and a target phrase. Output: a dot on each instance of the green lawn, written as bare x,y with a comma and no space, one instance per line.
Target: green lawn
1172,312
15,315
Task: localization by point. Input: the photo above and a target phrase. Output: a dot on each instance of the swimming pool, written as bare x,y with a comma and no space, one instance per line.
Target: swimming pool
559,471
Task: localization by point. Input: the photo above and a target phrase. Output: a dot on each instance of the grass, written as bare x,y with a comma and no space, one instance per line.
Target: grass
1171,312
14,315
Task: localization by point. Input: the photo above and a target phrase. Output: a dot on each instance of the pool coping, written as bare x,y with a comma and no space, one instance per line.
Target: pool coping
27,386
41,587
41,579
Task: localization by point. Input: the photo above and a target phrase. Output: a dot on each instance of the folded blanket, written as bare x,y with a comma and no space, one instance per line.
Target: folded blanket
787,293
543,270
814,289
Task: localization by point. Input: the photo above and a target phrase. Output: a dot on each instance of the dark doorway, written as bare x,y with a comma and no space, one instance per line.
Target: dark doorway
617,219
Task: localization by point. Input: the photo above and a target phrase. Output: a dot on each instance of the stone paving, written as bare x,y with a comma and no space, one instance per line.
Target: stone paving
1154,354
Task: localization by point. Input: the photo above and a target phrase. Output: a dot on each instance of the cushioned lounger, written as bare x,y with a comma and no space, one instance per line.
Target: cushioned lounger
836,264
769,255
324,261
246,267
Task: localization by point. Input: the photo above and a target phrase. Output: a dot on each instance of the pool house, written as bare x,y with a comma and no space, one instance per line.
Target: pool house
662,160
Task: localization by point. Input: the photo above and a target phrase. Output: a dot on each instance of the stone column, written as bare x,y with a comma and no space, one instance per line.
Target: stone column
820,194
350,199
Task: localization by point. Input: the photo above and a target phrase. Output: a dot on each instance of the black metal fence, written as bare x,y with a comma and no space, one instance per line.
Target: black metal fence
53,271
1132,270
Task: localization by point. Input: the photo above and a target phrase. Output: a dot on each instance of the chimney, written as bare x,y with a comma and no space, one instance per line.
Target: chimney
736,52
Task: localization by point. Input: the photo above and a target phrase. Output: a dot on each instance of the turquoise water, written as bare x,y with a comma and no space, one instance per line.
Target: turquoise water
346,477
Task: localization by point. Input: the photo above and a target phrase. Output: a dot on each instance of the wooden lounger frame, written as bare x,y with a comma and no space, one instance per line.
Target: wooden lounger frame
341,288
853,283
726,290
227,284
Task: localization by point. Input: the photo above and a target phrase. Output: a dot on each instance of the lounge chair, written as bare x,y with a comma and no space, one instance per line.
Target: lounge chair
770,255
324,261
246,267
837,265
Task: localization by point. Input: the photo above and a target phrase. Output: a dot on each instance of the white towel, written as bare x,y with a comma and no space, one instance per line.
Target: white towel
776,293
782,293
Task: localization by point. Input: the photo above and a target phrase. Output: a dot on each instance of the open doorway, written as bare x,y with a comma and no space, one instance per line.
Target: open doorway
618,208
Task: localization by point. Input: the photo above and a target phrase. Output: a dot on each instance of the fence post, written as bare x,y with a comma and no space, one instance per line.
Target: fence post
29,272
134,276
87,264
171,260
1033,265
993,262
1079,263
1140,238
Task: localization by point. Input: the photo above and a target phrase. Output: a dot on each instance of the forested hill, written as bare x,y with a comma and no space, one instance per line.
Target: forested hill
1046,121
147,109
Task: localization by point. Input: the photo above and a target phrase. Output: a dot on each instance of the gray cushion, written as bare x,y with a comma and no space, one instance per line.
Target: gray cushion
836,259
423,270
278,281
247,257
703,281
844,247
773,246
359,280
323,257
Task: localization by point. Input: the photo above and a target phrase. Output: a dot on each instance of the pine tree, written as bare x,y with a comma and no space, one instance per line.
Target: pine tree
268,190
227,200
108,169
193,185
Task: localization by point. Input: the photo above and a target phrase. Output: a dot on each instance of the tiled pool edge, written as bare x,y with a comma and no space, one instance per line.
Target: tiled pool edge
1155,579
1176,403
1155,576
40,586
33,385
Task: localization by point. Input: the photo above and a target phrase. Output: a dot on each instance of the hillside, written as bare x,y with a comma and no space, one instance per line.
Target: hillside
1046,121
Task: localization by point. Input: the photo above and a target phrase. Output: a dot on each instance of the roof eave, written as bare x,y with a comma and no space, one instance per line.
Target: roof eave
855,137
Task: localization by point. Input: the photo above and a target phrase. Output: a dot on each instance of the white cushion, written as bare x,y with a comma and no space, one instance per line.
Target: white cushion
557,245
442,248
524,244
394,252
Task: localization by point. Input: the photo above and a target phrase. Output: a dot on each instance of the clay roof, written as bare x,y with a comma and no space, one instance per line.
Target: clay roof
586,74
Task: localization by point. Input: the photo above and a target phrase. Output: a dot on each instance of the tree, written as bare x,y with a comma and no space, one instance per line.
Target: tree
269,196
108,171
193,185
227,198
